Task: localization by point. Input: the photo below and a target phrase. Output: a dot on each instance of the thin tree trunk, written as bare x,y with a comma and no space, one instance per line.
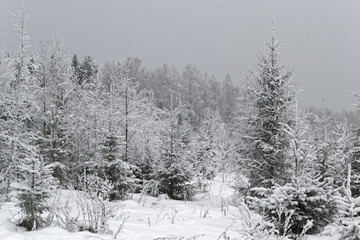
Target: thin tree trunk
126,121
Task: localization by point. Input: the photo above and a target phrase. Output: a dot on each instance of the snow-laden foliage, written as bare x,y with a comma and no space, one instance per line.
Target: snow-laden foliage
54,94
255,227
300,148
114,169
325,145
292,206
36,186
174,171
210,148
348,225
269,102
351,151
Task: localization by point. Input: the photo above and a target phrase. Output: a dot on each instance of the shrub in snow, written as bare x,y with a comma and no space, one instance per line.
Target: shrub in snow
293,206
96,186
255,228
83,211
60,172
241,186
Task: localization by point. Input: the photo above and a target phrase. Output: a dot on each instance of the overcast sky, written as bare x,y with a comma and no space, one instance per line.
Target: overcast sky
321,38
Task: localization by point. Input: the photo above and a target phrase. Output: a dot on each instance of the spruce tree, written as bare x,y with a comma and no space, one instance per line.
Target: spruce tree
325,146
269,99
114,169
114,166
229,93
18,107
75,65
354,160
55,95
87,70
35,188
174,171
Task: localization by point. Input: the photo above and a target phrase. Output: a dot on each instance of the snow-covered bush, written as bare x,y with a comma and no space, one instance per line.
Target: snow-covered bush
94,213
293,206
241,186
255,227
84,211
96,186
348,225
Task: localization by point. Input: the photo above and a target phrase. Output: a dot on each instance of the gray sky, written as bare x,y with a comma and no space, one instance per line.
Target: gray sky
321,37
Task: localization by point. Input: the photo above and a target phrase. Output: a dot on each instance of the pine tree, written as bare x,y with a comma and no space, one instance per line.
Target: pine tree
35,188
353,158
114,169
53,145
75,65
301,150
5,117
55,92
270,99
349,210
229,93
87,70
18,106
203,148
114,166
324,143
212,147
174,171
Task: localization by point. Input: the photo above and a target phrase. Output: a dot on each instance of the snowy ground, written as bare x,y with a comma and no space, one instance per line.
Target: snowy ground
151,218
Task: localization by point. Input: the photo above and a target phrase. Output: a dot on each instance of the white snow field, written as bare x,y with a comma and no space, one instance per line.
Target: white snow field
152,218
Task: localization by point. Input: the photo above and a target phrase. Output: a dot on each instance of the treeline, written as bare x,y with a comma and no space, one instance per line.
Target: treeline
198,92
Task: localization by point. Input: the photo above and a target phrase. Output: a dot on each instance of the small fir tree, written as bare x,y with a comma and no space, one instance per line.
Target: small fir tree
114,169
174,171
35,188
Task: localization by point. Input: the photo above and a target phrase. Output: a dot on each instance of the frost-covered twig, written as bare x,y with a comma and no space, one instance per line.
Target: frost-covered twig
307,226
173,215
121,226
224,233
159,214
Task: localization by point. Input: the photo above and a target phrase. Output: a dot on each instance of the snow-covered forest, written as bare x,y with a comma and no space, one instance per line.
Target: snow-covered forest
99,148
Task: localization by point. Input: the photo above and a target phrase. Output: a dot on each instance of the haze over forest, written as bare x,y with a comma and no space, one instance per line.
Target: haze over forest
320,37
